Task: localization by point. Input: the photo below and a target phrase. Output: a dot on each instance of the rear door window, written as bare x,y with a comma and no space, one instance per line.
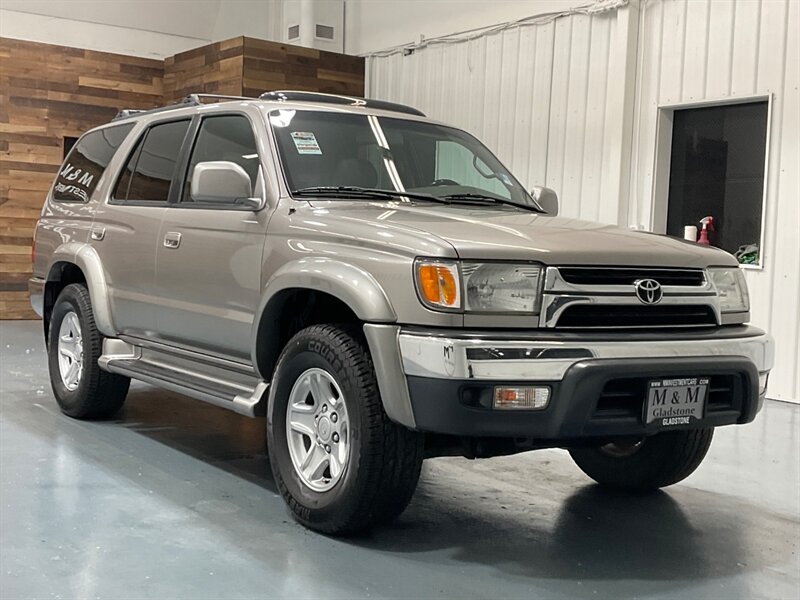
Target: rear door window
147,176
86,163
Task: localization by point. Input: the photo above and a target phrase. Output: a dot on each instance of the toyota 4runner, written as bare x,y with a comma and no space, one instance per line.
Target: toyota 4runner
383,290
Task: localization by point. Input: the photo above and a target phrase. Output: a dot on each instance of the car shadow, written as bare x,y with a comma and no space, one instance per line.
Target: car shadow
219,437
595,534
525,518
586,533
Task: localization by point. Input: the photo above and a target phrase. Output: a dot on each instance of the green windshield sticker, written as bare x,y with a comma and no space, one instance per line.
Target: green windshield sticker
305,142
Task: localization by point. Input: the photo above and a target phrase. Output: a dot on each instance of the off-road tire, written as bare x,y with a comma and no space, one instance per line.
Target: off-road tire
383,467
661,460
99,394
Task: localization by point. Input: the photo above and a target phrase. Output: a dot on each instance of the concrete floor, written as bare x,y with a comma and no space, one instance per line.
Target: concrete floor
174,499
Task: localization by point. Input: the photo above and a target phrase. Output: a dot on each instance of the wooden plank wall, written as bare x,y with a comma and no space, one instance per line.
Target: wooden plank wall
212,69
244,66
48,93
275,66
51,92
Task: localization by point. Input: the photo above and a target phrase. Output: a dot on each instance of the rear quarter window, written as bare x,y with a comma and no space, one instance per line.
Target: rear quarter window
86,163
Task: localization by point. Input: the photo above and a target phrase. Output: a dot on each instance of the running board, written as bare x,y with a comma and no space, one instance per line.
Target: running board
201,377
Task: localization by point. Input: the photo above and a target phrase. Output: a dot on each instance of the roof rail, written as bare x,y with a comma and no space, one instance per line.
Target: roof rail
127,112
197,98
190,100
279,96
291,96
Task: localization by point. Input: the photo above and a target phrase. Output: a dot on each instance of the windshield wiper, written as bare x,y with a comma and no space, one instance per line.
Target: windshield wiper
495,199
352,190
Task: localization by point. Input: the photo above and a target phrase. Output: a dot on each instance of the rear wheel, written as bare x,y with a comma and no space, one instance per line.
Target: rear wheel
645,464
341,465
81,388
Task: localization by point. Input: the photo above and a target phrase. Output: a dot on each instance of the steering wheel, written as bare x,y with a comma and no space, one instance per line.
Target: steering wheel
438,182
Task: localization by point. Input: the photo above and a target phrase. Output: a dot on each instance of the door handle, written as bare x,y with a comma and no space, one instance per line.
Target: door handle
172,239
98,234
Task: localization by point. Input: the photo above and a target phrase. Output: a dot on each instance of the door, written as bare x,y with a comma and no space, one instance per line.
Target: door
125,229
209,255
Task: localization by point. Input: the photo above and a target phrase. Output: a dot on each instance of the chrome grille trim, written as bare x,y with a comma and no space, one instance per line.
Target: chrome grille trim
593,276
558,295
659,316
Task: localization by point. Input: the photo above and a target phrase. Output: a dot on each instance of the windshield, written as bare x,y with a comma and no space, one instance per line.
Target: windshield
322,149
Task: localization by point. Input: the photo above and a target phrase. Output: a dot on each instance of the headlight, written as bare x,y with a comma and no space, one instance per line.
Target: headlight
438,284
478,287
501,287
731,289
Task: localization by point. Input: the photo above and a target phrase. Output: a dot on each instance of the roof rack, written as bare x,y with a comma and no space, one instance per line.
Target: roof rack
190,100
279,96
198,98
290,96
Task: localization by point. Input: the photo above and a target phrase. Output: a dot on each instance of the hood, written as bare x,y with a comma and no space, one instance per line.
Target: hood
505,233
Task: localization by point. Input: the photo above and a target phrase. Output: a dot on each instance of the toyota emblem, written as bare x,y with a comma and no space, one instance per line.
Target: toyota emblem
648,291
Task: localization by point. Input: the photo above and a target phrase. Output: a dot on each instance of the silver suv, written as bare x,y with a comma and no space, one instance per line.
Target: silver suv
384,290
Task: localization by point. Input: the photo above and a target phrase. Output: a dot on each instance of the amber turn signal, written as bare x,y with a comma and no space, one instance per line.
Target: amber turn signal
438,284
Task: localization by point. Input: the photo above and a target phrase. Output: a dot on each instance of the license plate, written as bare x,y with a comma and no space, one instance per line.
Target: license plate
676,401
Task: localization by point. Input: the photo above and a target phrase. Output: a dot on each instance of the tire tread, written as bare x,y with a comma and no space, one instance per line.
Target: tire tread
104,393
665,459
393,453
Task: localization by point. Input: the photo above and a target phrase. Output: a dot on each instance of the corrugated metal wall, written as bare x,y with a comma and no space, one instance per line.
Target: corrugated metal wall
574,104
538,96
694,50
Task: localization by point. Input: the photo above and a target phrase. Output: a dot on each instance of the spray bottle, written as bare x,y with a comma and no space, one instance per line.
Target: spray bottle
707,224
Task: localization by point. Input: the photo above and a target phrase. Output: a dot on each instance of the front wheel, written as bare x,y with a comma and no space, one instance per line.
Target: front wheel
340,464
648,463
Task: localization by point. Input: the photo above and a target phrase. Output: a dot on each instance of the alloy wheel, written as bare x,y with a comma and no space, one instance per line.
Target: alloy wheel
318,429
70,351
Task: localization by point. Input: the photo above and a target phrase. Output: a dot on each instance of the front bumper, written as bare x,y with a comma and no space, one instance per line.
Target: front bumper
438,381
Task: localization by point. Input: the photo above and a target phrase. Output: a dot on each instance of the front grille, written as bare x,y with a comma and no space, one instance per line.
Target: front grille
629,276
625,316
725,393
624,398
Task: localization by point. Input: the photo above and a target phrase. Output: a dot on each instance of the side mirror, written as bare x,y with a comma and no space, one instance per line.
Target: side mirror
223,182
547,199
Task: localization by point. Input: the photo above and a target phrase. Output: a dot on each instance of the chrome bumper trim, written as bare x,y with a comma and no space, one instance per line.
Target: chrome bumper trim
474,358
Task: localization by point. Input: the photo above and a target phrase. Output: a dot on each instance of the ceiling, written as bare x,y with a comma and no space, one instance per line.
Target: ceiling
200,19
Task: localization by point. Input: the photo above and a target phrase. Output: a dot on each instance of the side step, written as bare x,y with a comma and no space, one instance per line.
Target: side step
218,382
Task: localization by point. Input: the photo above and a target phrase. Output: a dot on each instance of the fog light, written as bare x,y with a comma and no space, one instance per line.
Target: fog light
762,382
521,398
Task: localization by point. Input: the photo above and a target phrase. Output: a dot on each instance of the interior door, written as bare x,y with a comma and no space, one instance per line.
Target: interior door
125,230
209,255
